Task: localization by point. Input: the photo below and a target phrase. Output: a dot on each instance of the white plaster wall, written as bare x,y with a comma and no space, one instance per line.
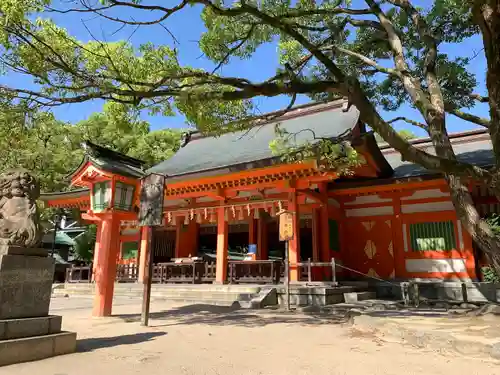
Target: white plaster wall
435,265
427,207
362,199
427,193
374,211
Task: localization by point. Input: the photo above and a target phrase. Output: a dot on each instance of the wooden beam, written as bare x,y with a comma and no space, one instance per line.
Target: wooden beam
315,196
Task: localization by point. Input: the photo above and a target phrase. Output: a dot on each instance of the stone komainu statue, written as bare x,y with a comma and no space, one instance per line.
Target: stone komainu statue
19,217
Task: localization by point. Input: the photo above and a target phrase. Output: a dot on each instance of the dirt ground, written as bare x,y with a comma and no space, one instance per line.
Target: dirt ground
201,339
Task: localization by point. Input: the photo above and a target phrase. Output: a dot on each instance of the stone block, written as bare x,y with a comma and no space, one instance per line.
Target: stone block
64,343
27,327
36,348
27,251
25,286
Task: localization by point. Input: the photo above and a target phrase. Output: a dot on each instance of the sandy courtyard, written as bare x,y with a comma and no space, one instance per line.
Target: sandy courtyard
203,339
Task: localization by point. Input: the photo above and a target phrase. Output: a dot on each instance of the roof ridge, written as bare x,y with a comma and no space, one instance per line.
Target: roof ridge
92,148
452,136
286,114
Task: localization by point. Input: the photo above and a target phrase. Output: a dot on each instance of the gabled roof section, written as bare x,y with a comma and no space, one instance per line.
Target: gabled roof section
201,154
472,147
110,161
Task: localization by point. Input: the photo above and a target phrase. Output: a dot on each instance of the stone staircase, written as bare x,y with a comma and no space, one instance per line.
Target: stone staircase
244,296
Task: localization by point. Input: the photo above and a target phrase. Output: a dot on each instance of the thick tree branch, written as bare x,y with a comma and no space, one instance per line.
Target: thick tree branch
409,121
368,61
468,116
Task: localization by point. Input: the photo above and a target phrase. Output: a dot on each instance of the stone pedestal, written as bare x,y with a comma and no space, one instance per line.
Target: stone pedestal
27,332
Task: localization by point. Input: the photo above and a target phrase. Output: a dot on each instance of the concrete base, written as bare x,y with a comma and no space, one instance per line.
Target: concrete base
35,348
19,328
314,296
452,291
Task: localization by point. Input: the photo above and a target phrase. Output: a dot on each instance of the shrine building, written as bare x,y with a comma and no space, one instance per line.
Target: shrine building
388,219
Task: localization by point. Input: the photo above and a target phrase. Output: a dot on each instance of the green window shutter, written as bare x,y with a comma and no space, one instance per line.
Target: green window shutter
433,236
334,235
130,250
123,196
101,196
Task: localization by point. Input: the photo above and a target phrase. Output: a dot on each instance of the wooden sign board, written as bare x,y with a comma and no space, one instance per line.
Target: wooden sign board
151,200
286,226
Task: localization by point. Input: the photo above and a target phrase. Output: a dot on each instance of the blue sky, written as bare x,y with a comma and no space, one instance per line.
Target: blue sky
187,28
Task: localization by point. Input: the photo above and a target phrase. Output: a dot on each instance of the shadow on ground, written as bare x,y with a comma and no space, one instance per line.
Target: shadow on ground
91,344
221,315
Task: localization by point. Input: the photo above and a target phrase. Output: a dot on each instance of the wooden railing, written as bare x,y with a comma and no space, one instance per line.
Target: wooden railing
79,274
127,273
327,270
254,272
198,272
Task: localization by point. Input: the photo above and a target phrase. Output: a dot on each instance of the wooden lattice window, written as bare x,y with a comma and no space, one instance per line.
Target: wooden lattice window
433,236
333,227
124,195
101,196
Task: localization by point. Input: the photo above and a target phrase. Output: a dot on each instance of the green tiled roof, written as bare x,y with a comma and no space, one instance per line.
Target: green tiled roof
472,147
207,153
111,161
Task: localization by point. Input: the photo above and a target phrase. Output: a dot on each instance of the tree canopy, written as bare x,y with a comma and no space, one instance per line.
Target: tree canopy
50,149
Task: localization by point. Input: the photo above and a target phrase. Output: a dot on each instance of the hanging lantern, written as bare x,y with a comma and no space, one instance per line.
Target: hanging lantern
233,210
248,210
169,217
206,213
240,214
280,206
191,214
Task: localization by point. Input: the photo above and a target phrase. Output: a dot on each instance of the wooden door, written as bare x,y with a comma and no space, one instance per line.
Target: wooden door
370,248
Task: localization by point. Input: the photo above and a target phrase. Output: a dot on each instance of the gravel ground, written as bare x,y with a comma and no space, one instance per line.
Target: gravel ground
201,339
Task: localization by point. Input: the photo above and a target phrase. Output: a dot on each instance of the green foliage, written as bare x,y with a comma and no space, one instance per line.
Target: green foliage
335,155
489,273
326,49
51,149
85,244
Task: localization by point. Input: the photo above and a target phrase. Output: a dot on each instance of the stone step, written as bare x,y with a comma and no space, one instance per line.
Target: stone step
184,287
37,347
358,296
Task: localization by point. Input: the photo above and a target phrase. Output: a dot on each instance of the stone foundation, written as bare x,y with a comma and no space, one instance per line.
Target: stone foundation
27,332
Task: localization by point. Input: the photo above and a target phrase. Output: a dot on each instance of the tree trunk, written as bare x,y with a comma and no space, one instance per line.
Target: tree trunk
487,16
462,200
479,230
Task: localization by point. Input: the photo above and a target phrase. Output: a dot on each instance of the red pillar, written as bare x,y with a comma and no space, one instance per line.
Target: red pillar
324,231
178,237
186,243
144,253
316,242
96,248
105,265
252,231
294,245
262,244
324,227
222,243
